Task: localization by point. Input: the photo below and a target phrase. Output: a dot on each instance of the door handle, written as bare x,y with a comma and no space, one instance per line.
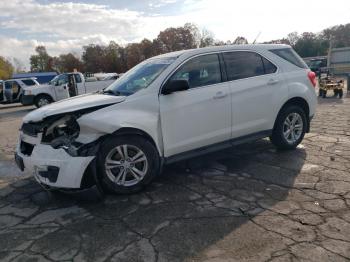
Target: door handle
272,82
219,95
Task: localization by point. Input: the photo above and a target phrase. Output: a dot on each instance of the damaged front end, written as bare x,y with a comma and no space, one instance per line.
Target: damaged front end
49,149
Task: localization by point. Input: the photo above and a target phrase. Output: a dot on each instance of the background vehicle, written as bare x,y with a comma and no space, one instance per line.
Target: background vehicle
40,77
61,87
12,90
317,64
169,108
328,82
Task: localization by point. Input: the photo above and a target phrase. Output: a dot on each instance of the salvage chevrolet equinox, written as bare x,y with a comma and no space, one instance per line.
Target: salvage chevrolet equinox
169,108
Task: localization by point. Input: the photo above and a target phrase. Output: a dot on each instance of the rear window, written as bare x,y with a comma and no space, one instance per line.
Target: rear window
28,82
290,55
77,78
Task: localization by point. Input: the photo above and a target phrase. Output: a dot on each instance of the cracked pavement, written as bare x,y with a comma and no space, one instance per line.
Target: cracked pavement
248,203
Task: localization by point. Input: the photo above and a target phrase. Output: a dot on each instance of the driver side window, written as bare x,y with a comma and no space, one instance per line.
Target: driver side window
200,71
62,80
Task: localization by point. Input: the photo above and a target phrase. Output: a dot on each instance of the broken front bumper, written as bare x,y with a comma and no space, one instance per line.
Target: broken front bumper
52,167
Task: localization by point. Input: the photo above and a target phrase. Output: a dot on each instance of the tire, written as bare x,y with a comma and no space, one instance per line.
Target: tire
340,93
280,137
320,92
112,164
21,100
42,100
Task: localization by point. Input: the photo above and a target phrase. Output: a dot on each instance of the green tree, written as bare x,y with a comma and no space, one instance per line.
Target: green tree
41,61
240,40
93,56
68,63
175,39
6,68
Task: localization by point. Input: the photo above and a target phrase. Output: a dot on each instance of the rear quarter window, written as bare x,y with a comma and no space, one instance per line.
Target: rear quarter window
289,55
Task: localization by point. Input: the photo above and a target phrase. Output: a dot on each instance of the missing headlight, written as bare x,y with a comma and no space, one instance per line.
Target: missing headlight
61,132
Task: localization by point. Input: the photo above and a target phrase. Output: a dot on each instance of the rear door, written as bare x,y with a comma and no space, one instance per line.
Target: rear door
199,116
12,90
253,80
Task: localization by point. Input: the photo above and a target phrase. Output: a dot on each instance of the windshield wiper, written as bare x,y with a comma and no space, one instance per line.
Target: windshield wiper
111,92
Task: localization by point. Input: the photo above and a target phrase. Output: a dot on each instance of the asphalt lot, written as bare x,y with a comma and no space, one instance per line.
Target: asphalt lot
249,203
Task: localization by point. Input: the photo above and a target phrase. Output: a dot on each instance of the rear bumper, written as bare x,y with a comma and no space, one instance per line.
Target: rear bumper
27,100
51,167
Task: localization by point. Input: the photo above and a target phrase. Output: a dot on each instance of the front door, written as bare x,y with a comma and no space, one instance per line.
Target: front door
200,116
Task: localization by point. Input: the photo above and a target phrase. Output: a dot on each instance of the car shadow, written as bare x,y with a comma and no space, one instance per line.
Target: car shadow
190,207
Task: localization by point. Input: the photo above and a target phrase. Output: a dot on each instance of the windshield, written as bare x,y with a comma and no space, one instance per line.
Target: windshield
139,77
53,80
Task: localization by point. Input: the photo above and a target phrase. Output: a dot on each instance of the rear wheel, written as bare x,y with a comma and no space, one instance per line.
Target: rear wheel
340,93
127,163
290,127
42,100
320,92
324,93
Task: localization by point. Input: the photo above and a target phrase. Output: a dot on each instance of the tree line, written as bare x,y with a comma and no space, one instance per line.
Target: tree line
117,58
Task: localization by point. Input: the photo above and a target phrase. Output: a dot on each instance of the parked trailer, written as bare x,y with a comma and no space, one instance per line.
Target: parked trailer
339,63
41,77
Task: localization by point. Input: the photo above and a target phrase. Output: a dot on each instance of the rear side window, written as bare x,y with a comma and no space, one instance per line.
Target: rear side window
28,82
269,67
77,78
290,55
243,64
200,71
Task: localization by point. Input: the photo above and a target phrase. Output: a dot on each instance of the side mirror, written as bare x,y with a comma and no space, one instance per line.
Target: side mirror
175,86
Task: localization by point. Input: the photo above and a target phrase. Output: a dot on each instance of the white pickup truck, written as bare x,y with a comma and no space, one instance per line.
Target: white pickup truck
61,87
11,91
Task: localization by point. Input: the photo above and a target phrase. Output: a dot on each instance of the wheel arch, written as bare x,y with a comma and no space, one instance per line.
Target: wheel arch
138,132
301,102
43,94
89,177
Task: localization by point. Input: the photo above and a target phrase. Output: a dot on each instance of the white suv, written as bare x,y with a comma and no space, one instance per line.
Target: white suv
168,108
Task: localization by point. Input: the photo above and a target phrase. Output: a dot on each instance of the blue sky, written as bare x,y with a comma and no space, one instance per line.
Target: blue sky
66,25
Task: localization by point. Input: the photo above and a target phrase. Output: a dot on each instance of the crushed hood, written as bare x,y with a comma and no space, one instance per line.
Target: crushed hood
71,105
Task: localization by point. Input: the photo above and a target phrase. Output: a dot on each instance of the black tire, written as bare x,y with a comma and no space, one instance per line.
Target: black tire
320,92
21,100
324,93
150,152
277,137
39,98
340,93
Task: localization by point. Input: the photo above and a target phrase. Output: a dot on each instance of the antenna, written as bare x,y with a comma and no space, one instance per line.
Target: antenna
256,38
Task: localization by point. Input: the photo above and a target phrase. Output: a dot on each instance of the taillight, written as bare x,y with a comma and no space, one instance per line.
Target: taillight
312,77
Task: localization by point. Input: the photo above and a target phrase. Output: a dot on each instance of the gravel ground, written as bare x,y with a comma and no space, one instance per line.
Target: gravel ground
249,203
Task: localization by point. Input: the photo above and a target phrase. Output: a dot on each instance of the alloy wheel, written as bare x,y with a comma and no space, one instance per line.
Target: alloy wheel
126,165
293,127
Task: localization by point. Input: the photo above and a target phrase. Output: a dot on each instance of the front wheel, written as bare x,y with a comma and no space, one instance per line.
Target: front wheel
127,163
290,127
42,100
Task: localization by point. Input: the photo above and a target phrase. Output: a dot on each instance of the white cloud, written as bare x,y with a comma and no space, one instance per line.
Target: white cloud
69,26
273,18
